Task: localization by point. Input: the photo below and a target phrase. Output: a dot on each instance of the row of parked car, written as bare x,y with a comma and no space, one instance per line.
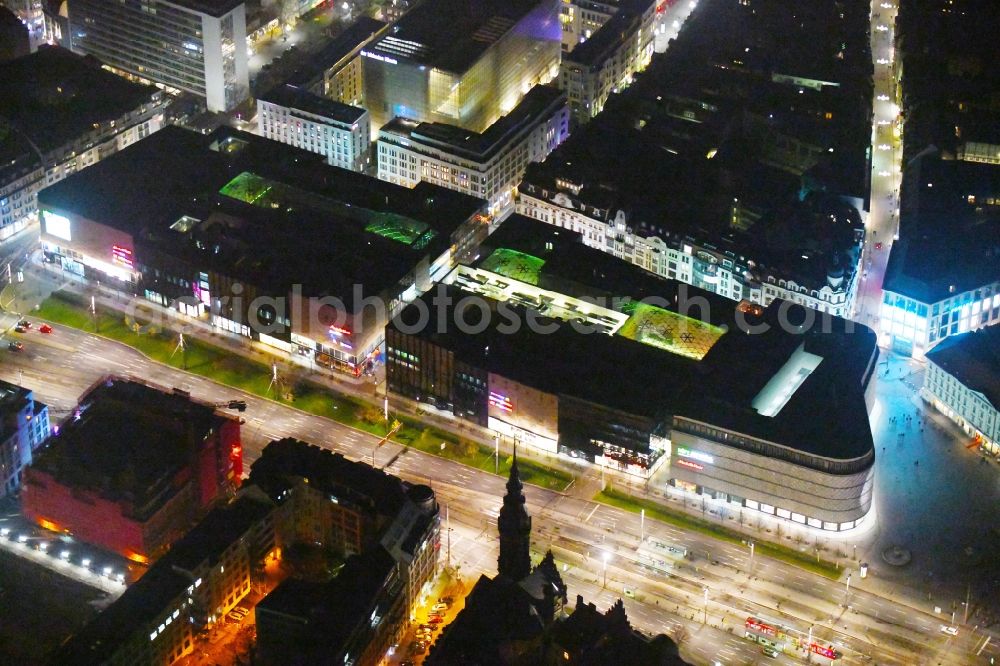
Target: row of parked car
425,631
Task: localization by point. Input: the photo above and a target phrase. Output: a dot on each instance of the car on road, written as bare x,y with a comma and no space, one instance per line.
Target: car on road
20,329
878,246
882,28
883,98
951,631
428,627
234,617
15,346
24,323
242,610
770,652
439,607
435,619
44,328
446,600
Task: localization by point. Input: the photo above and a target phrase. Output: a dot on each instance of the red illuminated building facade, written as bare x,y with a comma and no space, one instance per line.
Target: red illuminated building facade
133,468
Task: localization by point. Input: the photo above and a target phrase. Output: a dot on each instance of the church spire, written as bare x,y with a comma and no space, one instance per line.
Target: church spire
514,525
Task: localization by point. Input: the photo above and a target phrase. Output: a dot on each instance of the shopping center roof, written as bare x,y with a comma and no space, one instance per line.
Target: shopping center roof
263,212
702,357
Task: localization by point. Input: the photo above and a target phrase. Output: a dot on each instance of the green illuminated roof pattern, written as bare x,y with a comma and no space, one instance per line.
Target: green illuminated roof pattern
668,330
514,265
264,193
401,229
254,190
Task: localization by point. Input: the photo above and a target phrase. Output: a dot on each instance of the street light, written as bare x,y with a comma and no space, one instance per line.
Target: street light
706,605
752,545
606,557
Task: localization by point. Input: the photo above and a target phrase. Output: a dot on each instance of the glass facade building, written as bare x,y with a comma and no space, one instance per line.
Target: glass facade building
189,45
422,71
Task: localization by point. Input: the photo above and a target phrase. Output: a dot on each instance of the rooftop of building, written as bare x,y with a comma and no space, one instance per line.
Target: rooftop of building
284,462
696,336
223,526
354,36
248,203
55,96
300,99
599,166
612,35
540,101
337,613
451,35
949,233
13,398
214,8
147,598
973,359
127,440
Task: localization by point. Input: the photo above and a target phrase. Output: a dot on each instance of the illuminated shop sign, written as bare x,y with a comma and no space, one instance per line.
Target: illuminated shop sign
337,330
760,627
121,256
376,56
501,402
696,455
689,464
824,651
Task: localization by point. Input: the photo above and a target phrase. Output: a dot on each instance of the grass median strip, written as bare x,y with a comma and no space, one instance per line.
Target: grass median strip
225,367
663,513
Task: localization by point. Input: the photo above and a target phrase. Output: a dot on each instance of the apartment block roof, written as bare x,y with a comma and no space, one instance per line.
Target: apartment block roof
54,96
292,97
973,359
164,583
284,462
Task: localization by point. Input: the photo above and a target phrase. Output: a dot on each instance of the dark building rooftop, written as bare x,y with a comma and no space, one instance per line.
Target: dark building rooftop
55,96
826,415
359,32
263,212
128,442
728,114
480,146
330,617
451,34
949,235
296,98
165,581
611,35
284,462
973,358
211,7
